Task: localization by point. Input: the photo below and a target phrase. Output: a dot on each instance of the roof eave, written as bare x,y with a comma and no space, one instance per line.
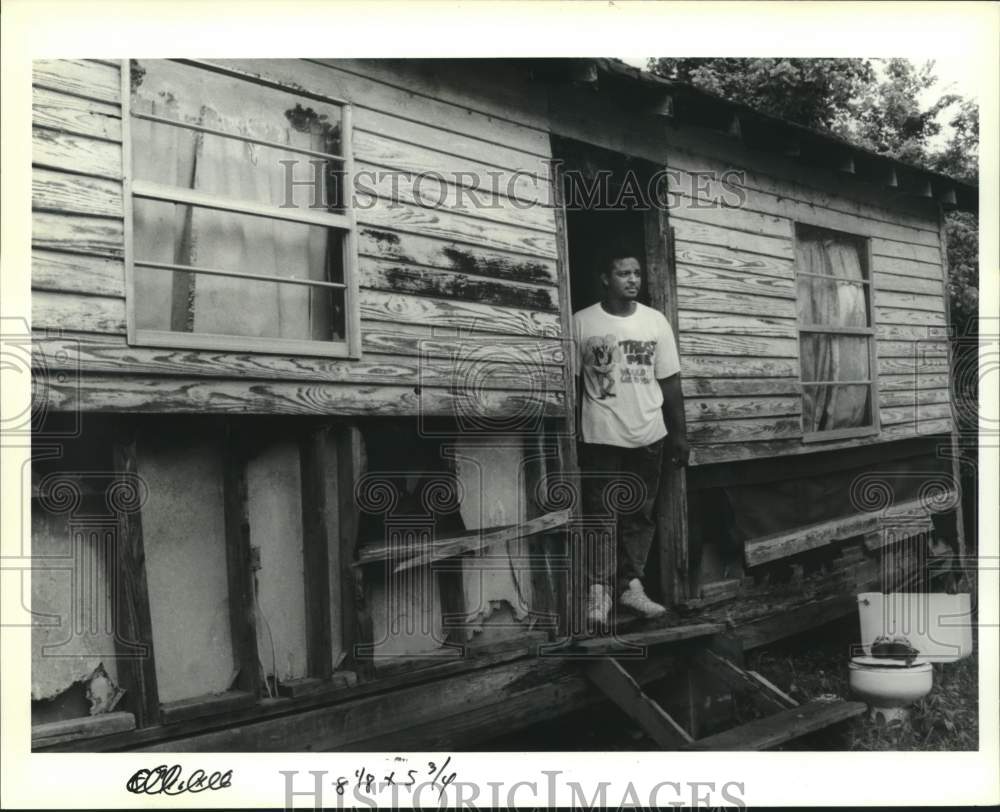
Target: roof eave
884,171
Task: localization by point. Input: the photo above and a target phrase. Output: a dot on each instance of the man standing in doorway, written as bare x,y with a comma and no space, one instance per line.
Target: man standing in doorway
631,409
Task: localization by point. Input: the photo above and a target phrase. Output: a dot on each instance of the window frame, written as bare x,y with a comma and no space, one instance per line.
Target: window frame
870,332
343,223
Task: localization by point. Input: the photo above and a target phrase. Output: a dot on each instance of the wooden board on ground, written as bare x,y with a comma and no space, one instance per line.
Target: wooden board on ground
771,731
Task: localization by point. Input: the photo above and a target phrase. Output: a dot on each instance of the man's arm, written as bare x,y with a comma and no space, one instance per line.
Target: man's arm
673,416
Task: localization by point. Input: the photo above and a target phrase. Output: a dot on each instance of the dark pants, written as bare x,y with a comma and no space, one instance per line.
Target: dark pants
619,488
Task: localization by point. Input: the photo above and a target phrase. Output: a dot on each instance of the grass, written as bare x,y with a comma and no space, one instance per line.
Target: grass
811,665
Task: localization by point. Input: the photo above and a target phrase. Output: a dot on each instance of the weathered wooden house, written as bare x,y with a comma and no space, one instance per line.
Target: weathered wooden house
303,463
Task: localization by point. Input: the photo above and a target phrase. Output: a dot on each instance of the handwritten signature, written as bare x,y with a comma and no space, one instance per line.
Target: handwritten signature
167,780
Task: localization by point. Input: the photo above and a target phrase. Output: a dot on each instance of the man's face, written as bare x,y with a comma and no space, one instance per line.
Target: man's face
624,278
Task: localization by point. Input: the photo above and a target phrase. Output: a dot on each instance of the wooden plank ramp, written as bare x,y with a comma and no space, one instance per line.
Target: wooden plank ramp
781,727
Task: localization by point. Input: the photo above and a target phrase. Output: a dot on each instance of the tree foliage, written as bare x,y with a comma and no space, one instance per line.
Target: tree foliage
877,104
888,117
963,269
960,157
814,92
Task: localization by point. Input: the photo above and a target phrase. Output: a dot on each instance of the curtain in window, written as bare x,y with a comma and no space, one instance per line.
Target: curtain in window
218,239
835,298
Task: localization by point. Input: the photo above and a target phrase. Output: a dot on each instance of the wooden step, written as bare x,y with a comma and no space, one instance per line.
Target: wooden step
633,643
778,728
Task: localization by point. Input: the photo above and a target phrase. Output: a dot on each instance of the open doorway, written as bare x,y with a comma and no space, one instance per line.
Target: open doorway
606,197
609,201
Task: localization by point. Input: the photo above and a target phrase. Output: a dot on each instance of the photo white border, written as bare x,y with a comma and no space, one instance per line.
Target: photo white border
42,29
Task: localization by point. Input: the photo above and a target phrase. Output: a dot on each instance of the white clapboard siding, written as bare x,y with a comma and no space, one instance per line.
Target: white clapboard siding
79,77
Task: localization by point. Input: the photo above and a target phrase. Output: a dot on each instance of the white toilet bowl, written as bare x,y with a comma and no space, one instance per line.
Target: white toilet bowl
889,686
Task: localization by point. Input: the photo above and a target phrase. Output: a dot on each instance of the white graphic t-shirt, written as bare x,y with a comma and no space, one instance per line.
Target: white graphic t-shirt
622,359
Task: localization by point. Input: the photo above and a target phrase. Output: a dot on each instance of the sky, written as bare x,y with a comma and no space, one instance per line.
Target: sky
957,76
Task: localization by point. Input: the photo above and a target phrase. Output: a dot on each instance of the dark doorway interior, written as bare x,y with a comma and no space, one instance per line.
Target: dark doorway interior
605,195
593,235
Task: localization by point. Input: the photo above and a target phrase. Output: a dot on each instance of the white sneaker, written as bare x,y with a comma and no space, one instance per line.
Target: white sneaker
636,599
598,604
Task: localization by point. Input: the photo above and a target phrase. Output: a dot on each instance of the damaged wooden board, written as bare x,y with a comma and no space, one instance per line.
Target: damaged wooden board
780,545
448,546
